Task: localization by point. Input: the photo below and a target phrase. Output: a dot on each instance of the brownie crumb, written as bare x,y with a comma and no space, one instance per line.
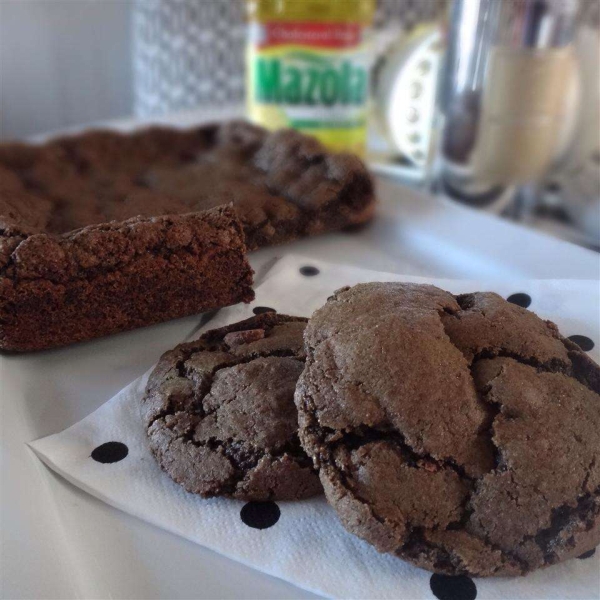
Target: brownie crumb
237,338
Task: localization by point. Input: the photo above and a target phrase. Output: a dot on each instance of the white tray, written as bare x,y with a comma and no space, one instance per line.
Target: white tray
58,542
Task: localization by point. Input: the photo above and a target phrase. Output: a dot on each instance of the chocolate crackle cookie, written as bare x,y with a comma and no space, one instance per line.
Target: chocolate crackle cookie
220,412
460,433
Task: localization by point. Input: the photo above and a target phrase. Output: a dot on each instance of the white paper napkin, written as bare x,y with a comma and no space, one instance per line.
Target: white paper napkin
307,545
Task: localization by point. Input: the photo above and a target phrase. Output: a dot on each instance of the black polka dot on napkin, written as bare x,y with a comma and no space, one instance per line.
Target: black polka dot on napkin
110,452
309,271
259,310
520,299
583,342
356,228
260,515
587,554
446,587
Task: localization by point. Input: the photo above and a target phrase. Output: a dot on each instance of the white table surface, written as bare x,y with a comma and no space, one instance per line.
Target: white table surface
58,542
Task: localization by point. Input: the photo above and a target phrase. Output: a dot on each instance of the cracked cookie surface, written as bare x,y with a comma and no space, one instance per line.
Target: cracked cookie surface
461,433
220,412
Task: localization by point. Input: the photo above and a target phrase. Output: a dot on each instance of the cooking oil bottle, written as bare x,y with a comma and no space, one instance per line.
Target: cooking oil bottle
308,64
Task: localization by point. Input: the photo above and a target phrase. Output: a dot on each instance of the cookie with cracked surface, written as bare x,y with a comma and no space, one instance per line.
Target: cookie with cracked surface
460,433
220,412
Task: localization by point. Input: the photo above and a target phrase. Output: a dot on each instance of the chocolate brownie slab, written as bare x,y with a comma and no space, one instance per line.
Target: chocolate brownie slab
59,289
281,185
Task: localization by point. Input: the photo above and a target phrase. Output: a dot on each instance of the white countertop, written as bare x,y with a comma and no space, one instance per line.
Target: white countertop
58,542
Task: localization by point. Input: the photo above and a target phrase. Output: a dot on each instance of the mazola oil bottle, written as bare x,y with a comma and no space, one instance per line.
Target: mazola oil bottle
308,64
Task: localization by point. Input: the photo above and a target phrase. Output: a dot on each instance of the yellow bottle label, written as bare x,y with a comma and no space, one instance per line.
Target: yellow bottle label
310,76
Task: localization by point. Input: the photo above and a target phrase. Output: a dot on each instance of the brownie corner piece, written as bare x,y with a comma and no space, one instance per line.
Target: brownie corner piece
102,279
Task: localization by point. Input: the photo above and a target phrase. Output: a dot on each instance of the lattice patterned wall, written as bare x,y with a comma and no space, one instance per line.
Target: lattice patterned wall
189,53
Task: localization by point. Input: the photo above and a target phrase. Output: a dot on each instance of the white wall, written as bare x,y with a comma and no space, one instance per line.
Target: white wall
63,62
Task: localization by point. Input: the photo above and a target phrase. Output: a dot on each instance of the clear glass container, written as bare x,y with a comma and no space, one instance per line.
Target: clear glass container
501,94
